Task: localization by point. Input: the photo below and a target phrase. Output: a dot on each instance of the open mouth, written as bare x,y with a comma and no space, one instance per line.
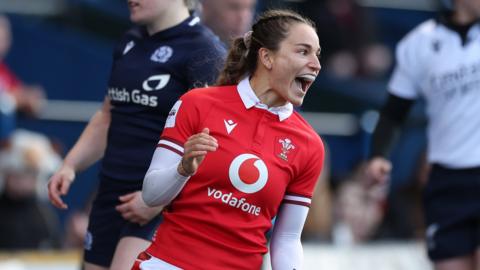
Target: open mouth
305,81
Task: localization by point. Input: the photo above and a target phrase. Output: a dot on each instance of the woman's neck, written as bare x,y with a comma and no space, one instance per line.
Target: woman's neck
167,20
262,89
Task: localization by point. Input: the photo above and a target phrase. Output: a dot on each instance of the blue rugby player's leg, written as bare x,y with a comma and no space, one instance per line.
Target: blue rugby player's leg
113,242
108,243
99,245
134,240
104,228
127,251
89,266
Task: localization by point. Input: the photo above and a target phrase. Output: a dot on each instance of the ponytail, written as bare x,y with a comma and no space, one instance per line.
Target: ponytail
236,65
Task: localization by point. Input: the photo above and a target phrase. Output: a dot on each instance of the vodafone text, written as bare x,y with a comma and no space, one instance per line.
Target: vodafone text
229,199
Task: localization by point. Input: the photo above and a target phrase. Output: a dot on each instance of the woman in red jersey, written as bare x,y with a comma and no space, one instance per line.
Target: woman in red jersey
234,156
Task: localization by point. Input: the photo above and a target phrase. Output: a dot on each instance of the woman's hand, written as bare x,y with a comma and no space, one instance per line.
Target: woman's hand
134,209
59,184
195,149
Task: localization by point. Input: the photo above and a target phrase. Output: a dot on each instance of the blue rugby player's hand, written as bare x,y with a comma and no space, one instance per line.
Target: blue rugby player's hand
134,209
59,184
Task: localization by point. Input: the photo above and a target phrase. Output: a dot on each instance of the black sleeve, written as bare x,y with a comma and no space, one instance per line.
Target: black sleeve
392,116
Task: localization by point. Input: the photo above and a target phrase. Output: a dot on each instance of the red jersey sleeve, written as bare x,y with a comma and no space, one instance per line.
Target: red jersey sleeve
182,122
300,189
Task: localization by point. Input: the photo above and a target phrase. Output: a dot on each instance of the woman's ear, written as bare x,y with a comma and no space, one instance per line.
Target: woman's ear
265,56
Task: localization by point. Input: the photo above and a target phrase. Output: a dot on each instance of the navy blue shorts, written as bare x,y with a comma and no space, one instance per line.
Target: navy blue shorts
106,226
452,212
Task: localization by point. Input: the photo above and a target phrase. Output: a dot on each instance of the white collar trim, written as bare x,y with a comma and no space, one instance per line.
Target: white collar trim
251,100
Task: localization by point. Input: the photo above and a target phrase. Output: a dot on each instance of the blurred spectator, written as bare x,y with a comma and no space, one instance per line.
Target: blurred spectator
358,209
403,218
14,95
348,38
28,222
76,225
228,19
75,230
318,225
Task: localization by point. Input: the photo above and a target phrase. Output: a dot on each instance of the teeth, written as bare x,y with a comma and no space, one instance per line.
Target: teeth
299,84
307,77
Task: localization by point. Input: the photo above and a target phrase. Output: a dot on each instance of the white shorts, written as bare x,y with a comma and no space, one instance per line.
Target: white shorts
153,263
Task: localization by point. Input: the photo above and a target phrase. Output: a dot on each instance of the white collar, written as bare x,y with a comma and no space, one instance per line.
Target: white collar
251,100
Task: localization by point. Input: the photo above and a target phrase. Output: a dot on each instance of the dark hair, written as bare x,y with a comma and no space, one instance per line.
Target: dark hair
270,29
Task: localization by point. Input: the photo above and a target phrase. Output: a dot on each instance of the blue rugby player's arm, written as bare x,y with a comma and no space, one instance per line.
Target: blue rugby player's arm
90,147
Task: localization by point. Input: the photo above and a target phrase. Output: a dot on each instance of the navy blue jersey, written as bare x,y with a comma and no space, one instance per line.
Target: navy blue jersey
149,74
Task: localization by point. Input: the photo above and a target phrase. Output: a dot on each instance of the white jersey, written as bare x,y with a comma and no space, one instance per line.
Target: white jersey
433,63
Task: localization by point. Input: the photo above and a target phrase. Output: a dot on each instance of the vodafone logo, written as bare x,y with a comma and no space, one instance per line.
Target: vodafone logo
248,173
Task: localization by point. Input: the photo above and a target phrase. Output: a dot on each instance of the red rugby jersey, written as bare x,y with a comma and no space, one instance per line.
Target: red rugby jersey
219,219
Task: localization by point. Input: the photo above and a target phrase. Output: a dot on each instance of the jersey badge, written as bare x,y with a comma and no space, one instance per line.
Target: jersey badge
172,115
128,47
87,241
162,54
284,148
229,125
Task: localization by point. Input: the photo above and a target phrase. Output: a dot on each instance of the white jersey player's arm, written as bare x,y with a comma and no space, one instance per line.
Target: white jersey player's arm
286,252
162,181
